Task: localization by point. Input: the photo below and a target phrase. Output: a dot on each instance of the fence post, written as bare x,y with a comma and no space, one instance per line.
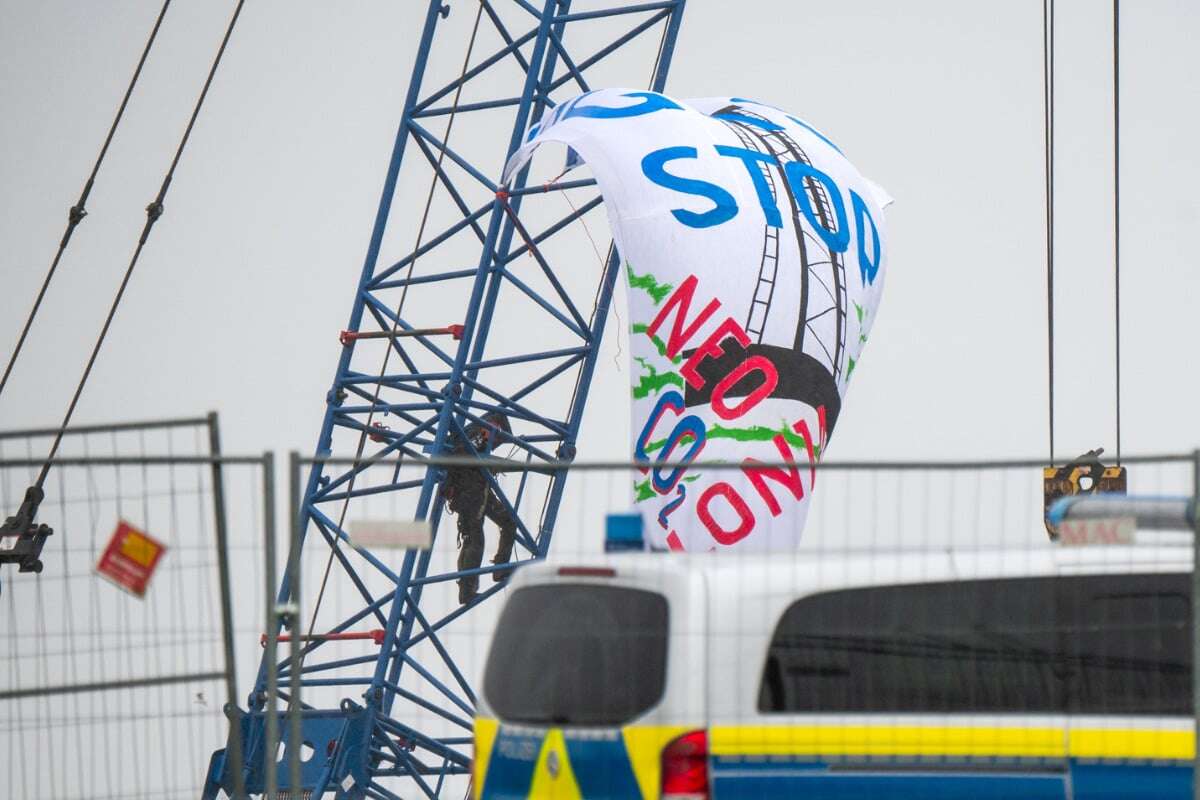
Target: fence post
270,716
294,708
231,695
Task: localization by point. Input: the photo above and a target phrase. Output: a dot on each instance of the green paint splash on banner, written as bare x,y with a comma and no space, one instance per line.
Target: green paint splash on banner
648,284
659,344
653,381
643,491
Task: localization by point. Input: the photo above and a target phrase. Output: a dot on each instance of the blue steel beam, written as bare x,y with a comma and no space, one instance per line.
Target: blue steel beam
396,721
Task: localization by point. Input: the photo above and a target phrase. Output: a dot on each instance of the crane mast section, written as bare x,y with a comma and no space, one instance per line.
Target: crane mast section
452,256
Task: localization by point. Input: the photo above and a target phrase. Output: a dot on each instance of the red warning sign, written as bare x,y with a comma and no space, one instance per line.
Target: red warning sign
130,558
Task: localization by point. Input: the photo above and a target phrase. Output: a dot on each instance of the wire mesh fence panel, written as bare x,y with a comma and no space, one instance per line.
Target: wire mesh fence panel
105,693
927,629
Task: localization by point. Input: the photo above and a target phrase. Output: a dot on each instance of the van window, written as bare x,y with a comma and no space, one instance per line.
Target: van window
1130,651
578,654
1089,644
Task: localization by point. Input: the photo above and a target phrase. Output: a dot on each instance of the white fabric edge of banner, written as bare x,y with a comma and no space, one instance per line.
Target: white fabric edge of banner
880,195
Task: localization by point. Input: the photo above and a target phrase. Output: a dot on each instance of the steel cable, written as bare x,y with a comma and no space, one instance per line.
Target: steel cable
79,210
1117,211
153,212
1048,110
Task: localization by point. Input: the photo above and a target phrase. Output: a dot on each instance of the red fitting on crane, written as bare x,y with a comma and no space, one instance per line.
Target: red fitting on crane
375,636
377,434
502,194
349,337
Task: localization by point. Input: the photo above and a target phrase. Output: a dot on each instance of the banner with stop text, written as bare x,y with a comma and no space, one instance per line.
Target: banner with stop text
755,255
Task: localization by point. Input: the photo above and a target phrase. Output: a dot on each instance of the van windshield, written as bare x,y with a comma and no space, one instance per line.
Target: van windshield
578,654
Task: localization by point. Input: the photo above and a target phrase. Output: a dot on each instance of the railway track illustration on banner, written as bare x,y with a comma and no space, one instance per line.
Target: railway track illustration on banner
823,271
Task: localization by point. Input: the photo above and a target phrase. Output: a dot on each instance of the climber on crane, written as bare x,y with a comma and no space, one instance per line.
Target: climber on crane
469,494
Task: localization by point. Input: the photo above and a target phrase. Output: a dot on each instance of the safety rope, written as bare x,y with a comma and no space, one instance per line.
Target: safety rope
1117,210
362,438
1048,110
603,261
78,211
153,212
662,43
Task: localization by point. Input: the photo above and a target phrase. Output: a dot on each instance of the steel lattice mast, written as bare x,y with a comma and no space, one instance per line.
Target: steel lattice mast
418,366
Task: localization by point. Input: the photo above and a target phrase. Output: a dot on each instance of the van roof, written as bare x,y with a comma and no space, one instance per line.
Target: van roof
741,597
806,572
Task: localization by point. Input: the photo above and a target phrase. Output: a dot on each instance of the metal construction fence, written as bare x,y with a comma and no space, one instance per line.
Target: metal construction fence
870,524
107,695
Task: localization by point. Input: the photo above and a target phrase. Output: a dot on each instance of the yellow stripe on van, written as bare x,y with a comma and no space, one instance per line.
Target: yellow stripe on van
1012,742
1131,743
485,739
558,783
886,740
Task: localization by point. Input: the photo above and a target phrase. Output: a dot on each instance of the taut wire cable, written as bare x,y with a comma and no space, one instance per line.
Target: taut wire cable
79,211
153,212
1117,211
1048,110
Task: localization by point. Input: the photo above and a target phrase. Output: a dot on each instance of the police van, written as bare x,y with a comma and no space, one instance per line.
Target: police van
1035,674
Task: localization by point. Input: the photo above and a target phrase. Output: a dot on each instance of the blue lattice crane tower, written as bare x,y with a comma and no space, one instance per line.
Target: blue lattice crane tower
387,711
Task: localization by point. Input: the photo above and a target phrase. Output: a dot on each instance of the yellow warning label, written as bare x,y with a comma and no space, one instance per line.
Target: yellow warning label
139,549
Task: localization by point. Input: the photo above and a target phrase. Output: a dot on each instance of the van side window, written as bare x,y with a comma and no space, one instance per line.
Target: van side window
1131,652
1083,644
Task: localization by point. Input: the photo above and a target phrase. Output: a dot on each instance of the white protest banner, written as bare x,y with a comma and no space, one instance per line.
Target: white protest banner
755,254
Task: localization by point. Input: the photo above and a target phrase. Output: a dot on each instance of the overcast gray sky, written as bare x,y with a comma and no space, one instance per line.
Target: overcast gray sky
251,271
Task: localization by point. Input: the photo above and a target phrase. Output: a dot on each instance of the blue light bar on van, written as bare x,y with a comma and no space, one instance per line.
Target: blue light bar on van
623,532
1151,513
